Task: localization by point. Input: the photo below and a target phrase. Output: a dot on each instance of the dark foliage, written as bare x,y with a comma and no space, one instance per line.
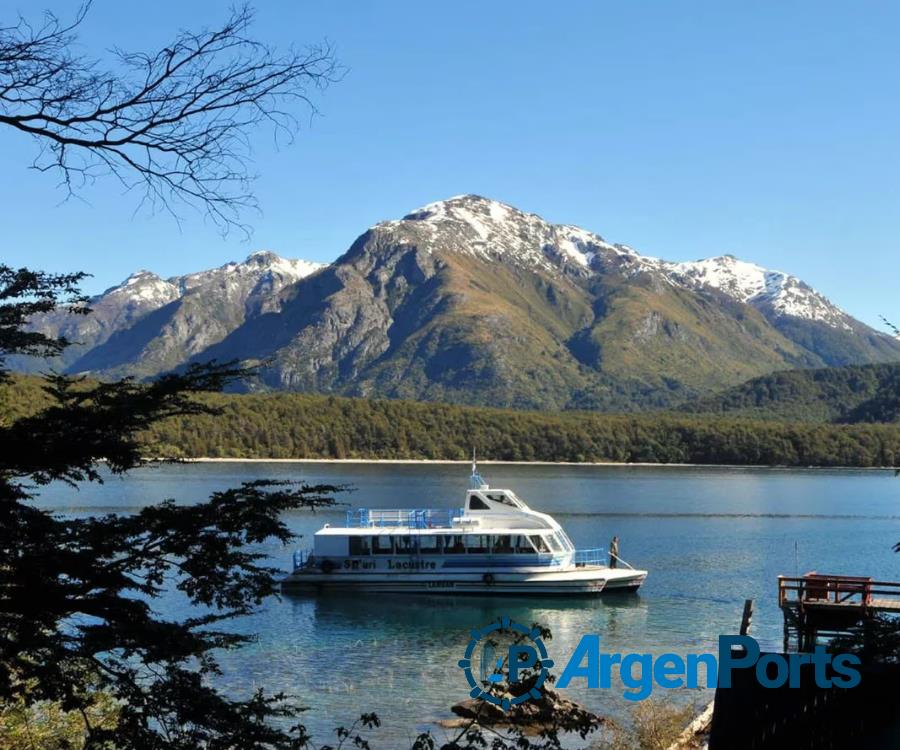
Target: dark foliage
24,293
306,426
76,595
875,640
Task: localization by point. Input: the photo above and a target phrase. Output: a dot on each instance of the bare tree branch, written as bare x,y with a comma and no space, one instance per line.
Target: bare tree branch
894,329
173,124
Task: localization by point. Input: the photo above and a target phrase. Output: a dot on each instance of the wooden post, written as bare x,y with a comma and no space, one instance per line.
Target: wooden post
747,617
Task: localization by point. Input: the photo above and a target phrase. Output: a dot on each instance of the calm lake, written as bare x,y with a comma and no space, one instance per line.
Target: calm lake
710,538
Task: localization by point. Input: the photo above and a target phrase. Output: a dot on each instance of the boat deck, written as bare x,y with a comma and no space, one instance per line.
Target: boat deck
409,518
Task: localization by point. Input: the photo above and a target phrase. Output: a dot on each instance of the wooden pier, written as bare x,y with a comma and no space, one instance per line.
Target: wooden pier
817,606
803,715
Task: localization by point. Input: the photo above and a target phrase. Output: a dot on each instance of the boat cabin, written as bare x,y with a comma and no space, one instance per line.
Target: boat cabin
492,522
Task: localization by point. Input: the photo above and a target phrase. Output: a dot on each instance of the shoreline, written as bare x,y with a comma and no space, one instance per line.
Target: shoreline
496,462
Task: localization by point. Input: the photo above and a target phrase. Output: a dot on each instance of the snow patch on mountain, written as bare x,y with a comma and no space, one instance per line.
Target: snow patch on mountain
143,287
262,273
576,249
758,286
288,267
492,231
259,264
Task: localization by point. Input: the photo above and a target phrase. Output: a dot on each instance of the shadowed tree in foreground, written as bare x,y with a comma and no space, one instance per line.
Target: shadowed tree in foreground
78,627
77,620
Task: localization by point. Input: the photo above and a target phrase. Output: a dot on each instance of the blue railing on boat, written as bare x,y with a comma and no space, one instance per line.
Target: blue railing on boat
597,556
301,557
412,518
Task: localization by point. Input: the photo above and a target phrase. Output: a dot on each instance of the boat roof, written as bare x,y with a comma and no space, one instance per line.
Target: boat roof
494,513
444,531
487,511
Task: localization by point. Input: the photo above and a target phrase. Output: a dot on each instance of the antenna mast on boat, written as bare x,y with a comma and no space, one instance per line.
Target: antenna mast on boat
477,482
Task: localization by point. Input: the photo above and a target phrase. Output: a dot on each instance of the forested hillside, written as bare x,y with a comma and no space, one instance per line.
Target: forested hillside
283,425
852,394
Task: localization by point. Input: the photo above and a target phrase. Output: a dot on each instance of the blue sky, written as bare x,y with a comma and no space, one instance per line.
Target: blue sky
770,131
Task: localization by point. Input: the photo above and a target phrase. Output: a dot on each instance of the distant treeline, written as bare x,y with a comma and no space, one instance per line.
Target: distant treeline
305,426
288,425
849,395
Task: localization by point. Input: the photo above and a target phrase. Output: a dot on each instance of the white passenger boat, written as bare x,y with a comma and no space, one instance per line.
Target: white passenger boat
496,544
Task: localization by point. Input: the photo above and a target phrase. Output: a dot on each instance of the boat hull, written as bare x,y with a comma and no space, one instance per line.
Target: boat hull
586,581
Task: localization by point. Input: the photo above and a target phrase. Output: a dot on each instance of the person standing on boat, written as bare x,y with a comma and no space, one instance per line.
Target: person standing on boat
614,552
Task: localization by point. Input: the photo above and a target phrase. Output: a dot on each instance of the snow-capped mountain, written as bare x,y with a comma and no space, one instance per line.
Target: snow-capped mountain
488,229
260,267
472,300
253,284
256,279
162,321
116,309
747,282
143,288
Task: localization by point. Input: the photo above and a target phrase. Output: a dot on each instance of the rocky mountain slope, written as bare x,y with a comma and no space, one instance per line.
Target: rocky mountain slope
471,300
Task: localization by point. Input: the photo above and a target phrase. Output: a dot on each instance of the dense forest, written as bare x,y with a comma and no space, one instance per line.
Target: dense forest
284,425
848,395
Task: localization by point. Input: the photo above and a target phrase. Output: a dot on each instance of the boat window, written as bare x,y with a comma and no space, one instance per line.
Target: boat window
454,544
479,544
502,544
402,545
429,544
521,545
539,544
359,545
381,545
501,498
565,541
554,543
476,503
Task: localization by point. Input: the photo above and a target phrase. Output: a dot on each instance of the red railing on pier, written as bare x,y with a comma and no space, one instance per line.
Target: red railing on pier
822,589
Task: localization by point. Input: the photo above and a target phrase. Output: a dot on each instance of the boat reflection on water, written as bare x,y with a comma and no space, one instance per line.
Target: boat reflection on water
567,618
410,646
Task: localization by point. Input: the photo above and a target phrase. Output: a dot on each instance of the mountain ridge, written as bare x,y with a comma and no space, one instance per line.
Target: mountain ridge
139,299
471,300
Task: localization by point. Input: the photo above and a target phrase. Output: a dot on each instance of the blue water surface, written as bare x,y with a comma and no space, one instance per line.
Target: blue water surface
710,537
